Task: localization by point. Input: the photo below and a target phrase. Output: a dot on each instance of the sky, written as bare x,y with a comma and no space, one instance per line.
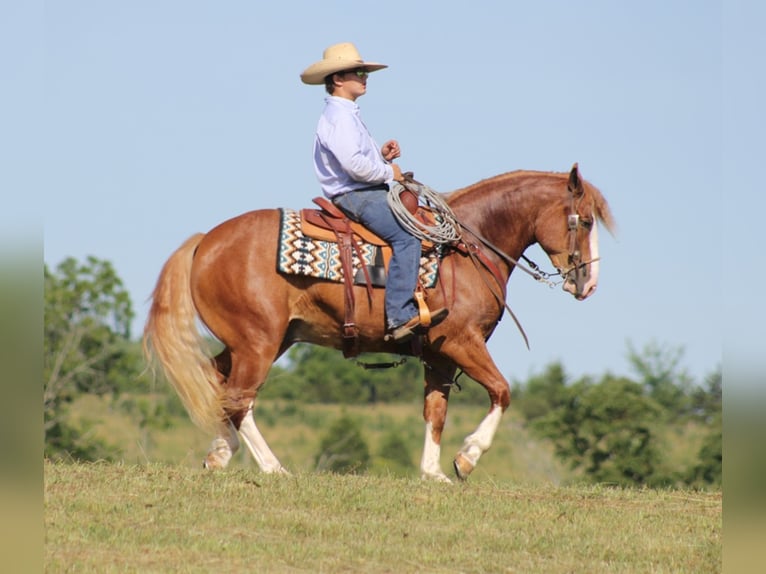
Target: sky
150,121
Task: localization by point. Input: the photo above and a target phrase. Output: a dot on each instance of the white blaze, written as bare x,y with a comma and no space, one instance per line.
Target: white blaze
590,286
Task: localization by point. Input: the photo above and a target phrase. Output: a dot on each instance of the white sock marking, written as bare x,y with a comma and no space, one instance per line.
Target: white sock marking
480,440
430,466
257,445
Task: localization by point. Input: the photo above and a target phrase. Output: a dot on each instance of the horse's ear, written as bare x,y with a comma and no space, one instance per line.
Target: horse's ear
575,183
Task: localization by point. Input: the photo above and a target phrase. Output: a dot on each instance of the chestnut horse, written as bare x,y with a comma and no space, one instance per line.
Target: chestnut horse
228,279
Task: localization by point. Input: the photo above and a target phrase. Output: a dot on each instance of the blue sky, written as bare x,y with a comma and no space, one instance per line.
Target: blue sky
156,120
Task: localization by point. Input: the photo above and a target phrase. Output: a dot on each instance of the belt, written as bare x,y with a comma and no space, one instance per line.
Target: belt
377,186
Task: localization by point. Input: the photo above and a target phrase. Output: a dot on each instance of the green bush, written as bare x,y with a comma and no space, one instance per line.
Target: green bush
709,468
603,429
343,449
394,453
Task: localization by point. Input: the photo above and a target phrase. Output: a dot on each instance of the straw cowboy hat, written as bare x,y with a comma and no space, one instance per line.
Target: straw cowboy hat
335,59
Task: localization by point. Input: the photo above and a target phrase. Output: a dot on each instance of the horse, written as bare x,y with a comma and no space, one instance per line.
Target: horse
227,279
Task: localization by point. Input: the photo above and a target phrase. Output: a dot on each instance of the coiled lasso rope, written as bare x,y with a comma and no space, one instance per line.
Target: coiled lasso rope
446,229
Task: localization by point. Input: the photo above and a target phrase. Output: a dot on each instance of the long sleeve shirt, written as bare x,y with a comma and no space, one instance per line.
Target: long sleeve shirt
346,157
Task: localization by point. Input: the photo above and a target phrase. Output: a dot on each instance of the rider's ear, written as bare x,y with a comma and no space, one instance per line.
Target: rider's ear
575,183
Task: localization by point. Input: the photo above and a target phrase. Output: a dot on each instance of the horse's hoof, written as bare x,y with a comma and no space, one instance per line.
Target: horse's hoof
441,477
215,461
211,464
463,466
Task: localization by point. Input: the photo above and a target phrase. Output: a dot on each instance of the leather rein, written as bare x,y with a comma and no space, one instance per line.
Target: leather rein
478,257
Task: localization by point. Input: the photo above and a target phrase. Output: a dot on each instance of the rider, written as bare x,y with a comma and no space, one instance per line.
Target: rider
354,175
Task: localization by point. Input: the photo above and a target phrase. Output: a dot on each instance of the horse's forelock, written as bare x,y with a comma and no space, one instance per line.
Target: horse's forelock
601,207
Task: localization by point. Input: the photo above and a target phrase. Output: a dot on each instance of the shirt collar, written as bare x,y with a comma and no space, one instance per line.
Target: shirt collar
343,102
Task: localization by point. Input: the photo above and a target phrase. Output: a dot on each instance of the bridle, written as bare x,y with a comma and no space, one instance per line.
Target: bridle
574,258
473,250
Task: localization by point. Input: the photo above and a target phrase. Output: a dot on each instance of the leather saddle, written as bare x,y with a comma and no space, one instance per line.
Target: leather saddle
326,222
329,223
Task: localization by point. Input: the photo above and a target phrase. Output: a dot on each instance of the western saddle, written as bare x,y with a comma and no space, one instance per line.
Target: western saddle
329,223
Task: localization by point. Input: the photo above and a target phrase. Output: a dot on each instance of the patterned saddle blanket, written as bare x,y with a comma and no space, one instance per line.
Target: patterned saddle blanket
302,255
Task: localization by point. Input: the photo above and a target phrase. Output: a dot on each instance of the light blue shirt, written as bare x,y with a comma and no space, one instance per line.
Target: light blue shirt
346,157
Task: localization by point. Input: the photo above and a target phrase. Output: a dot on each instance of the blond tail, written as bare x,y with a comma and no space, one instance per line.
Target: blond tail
171,337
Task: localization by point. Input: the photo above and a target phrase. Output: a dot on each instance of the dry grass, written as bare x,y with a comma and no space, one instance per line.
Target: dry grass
160,518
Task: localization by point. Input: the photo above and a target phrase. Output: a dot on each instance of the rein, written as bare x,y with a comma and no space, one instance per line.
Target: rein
455,235
533,270
455,239
450,232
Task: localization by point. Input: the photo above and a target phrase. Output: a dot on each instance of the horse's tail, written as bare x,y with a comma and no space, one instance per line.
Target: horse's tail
172,338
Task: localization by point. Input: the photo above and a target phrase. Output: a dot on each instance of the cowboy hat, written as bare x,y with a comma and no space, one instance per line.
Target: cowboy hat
337,58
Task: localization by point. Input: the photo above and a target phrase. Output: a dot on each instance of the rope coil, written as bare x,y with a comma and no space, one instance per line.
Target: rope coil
446,230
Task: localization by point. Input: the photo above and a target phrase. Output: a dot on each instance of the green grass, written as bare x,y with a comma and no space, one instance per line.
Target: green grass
104,517
294,431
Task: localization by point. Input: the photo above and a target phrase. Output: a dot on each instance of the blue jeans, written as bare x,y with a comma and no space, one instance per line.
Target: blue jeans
371,209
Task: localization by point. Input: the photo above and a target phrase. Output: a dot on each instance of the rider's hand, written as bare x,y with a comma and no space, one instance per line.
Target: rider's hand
390,150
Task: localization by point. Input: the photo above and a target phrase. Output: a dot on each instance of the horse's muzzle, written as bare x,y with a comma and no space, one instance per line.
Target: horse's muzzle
579,282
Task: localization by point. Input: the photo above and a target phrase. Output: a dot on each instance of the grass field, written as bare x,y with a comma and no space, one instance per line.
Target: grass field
522,510
105,517
294,430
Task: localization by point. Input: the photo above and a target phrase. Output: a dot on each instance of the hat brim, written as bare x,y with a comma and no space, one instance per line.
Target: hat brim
315,74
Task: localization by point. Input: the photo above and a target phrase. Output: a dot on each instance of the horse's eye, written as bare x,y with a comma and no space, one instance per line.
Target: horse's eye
587,223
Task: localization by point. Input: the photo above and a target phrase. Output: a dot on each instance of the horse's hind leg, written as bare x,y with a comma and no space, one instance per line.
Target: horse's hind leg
222,448
226,443
246,374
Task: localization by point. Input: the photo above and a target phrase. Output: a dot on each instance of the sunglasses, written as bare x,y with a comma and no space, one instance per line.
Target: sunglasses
360,73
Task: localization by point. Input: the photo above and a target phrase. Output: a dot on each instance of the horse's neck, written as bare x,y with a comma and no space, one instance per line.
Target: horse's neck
503,212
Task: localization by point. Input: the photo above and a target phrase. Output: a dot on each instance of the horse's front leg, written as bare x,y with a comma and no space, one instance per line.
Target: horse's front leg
477,443
473,357
435,401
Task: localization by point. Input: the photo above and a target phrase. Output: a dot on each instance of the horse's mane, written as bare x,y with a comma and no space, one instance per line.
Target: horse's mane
520,179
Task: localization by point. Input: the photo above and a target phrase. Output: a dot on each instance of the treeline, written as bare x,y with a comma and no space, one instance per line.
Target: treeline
610,429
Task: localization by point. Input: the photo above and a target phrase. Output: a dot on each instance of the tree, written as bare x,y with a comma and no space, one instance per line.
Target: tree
658,370
543,392
343,449
604,429
319,374
394,453
324,376
707,407
86,347
707,401
709,467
